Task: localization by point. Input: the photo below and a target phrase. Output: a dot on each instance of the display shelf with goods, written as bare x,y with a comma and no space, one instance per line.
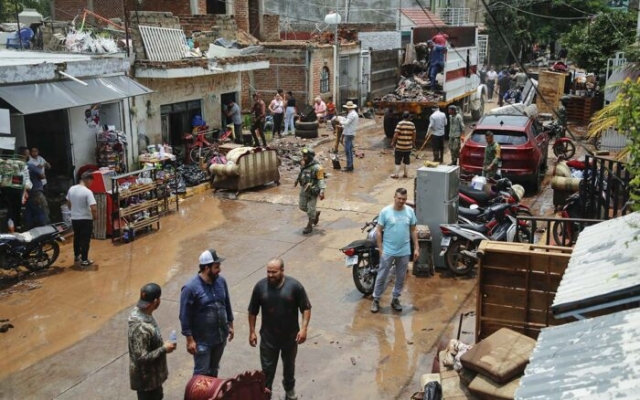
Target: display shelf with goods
11,169
111,150
166,179
136,204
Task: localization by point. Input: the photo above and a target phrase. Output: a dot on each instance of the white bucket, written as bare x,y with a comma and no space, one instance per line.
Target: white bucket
66,214
478,182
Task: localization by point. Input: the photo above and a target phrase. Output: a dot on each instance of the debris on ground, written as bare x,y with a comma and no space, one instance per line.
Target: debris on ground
414,88
5,326
22,286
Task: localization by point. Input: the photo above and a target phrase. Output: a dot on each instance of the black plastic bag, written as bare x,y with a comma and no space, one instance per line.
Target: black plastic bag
432,391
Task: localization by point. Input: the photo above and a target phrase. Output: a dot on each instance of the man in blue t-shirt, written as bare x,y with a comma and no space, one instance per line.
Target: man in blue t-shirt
399,224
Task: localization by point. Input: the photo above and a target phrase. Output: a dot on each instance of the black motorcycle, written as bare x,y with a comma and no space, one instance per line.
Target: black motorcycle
36,249
364,258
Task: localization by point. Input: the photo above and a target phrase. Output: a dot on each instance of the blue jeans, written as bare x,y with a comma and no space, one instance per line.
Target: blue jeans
402,262
433,72
207,359
289,121
348,149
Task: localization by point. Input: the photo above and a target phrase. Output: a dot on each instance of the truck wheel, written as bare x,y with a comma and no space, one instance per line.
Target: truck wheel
477,114
389,124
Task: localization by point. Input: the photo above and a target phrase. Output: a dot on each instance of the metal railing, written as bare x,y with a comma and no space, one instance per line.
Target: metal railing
454,16
563,231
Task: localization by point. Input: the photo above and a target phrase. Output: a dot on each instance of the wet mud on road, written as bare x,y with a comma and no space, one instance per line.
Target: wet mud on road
69,340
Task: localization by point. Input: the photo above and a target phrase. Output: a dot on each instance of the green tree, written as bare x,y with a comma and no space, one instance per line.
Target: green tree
527,22
586,42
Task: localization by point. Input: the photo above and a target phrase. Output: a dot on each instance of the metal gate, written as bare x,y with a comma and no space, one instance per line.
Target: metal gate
605,188
343,82
365,77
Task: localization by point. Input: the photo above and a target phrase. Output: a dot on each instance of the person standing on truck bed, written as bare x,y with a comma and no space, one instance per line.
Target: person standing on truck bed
436,62
437,122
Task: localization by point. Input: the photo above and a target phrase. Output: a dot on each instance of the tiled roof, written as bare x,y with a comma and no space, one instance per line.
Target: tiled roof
421,17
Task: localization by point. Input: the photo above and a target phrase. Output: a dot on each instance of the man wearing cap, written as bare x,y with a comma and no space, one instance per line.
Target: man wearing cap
147,352
83,209
492,154
281,299
349,127
205,315
455,132
437,122
404,139
311,180
436,62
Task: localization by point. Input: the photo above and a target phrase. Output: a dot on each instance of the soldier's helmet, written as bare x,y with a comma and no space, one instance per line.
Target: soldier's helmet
308,152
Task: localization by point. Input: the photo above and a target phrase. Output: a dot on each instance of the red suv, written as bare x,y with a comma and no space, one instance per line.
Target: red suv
523,142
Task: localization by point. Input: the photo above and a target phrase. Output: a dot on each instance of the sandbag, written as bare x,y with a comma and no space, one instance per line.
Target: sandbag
566,184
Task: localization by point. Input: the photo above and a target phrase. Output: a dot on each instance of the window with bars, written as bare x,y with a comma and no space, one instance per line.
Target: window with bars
324,80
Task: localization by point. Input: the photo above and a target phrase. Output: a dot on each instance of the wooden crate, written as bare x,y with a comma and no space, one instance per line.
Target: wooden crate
517,283
580,109
551,87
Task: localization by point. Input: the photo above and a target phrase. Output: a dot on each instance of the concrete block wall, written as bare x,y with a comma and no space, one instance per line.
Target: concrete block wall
379,40
224,25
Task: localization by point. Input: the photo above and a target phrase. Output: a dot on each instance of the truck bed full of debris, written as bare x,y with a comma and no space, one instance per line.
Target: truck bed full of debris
413,89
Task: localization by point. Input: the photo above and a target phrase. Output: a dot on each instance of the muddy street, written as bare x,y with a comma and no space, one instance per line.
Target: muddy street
69,338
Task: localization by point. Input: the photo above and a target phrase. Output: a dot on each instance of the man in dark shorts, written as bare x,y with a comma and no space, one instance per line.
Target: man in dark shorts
404,139
280,298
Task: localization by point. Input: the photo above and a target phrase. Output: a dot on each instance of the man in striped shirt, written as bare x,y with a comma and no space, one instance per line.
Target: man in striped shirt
403,140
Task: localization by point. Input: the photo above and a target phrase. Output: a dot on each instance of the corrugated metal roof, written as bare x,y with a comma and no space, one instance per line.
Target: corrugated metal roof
596,358
422,18
604,266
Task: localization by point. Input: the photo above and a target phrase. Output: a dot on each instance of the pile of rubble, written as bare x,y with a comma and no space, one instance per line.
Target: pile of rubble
328,37
414,88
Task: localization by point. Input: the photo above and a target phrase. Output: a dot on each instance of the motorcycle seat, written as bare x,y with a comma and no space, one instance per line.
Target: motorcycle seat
469,212
476,227
36,233
362,243
478,195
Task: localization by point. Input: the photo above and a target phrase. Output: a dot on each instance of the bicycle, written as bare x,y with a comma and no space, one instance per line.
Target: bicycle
201,148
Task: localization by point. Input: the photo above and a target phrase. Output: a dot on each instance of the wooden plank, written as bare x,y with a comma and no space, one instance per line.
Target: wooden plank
498,312
551,87
536,299
513,278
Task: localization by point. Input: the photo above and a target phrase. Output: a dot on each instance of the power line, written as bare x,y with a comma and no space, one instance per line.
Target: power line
542,15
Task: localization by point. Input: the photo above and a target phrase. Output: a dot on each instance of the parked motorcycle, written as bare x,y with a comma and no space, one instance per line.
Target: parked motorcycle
364,258
36,249
563,147
460,242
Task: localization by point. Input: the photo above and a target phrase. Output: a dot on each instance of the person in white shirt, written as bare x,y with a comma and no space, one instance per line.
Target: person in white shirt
320,108
83,209
277,110
492,76
437,122
349,126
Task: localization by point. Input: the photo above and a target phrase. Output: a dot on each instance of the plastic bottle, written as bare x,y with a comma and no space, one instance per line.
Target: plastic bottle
173,337
11,226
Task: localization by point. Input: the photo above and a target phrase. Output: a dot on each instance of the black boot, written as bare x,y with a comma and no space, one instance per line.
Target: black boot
317,218
454,161
308,228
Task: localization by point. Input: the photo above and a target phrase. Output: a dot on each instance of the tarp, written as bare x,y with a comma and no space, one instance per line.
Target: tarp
40,97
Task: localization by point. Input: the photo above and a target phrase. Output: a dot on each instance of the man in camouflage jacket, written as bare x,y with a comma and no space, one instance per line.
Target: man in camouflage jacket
311,180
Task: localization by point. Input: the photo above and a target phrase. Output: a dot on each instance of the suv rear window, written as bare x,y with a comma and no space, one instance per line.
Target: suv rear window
510,138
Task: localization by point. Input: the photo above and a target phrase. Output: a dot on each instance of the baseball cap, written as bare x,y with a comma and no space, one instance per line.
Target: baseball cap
148,294
209,257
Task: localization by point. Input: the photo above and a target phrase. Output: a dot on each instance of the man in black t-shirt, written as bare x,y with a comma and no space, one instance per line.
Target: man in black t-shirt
280,298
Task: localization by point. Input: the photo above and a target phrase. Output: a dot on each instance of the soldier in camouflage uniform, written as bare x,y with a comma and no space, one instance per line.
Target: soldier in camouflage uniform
492,157
562,111
311,180
456,129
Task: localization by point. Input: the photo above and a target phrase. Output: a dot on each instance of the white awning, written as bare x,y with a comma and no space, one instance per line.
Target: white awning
40,97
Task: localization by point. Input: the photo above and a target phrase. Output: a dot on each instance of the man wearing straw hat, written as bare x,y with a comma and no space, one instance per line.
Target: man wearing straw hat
349,133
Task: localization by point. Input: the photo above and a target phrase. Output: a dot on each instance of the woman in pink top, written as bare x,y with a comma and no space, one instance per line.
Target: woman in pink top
320,107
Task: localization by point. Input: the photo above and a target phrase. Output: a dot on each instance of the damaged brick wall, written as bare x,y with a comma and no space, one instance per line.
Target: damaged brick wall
287,71
321,57
271,28
205,29
241,11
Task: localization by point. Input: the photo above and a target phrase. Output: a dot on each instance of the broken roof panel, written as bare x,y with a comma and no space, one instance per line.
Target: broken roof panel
604,269
597,358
